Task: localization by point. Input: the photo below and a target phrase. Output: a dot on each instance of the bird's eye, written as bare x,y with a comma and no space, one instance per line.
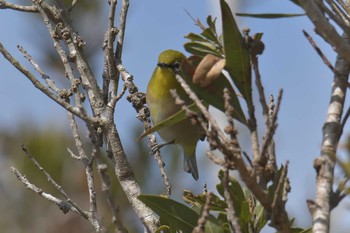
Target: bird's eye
176,66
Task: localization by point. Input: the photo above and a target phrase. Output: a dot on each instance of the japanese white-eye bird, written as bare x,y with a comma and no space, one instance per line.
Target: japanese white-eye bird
162,105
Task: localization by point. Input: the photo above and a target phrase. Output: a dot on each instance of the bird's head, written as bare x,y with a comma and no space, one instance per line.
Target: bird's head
171,59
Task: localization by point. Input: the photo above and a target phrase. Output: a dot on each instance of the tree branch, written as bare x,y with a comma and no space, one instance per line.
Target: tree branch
332,130
325,29
7,5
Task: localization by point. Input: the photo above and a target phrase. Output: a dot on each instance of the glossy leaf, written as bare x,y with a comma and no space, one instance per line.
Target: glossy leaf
239,200
211,24
172,120
237,54
209,34
234,186
214,226
201,48
216,203
177,215
269,15
260,219
195,37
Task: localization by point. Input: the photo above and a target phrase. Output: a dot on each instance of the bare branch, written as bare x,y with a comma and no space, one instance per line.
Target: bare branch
138,101
110,71
337,15
106,183
87,163
7,5
325,29
332,129
54,183
53,18
259,85
226,147
50,83
345,119
319,52
204,215
122,26
215,158
278,214
42,88
272,127
65,206
231,213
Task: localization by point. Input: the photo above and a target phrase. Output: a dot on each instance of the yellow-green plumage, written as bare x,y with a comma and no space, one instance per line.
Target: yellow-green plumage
162,105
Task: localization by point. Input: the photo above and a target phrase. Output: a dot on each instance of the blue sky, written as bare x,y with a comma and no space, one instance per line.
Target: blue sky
288,62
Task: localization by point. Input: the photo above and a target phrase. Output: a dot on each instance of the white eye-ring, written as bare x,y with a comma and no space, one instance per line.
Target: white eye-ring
176,66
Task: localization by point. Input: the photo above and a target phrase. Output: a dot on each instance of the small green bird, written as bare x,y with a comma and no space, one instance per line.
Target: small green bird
162,105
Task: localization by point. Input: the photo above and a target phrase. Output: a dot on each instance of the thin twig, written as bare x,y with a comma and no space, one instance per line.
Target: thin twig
50,83
272,162
324,58
200,227
279,201
336,15
65,206
343,5
259,85
272,127
320,53
122,25
74,2
325,29
231,213
42,88
226,147
106,184
74,45
345,119
215,159
110,71
138,102
53,182
7,5
87,163
120,43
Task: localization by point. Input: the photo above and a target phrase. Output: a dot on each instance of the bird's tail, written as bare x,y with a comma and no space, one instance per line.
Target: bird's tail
190,165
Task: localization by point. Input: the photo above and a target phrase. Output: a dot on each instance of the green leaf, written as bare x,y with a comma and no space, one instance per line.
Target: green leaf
172,120
209,34
213,226
195,37
237,54
216,204
260,220
239,200
211,24
258,36
177,215
269,15
234,186
201,48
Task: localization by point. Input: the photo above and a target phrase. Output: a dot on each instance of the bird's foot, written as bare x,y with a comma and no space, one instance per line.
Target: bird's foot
156,146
